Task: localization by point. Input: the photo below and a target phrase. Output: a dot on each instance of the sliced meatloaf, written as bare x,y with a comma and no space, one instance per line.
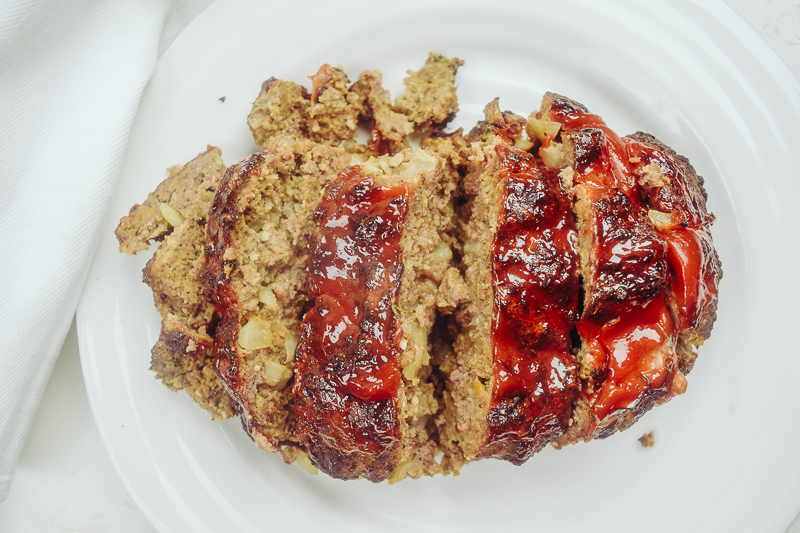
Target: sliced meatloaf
176,214
364,399
380,312
254,273
511,375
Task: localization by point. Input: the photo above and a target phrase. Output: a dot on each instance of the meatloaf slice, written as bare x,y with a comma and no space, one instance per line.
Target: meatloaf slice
364,399
512,377
176,213
254,273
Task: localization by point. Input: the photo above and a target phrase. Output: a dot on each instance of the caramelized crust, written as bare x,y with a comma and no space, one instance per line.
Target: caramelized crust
627,261
677,200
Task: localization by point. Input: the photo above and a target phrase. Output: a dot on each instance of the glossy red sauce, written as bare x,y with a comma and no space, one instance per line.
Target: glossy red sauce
634,352
691,252
696,276
603,160
347,378
536,286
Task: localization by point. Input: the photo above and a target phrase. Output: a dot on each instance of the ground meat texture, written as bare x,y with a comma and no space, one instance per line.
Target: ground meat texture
186,193
430,96
176,213
328,114
388,128
254,273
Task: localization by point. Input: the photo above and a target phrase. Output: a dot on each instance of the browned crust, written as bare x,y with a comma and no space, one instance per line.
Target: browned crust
329,114
182,359
693,183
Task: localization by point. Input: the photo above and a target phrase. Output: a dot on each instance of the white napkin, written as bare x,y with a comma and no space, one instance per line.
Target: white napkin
71,75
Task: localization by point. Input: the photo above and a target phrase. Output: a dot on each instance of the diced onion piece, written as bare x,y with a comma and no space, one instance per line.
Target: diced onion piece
267,297
276,374
542,129
523,144
442,253
305,463
396,160
554,155
420,162
174,218
472,248
421,356
256,334
664,221
290,343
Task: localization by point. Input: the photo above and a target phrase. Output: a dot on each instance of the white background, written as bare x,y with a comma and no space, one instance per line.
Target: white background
65,481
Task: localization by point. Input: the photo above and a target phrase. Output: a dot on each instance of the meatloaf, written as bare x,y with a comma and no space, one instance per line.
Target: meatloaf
382,312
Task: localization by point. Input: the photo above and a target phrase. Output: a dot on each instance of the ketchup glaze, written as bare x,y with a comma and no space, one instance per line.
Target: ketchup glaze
347,378
536,285
650,284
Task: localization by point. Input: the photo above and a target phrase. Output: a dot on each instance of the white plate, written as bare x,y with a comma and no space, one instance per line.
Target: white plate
694,75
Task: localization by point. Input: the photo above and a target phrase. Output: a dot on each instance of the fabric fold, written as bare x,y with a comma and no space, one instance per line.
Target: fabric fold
71,76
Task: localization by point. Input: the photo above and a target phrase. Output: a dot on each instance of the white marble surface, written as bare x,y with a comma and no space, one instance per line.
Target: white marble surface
65,481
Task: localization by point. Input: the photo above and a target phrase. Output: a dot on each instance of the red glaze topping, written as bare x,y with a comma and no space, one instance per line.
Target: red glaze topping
633,355
347,378
626,327
632,348
536,285
694,285
628,254
601,156
605,159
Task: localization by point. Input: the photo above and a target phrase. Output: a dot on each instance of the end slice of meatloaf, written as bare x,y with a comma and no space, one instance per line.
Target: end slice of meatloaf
176,214
644,245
